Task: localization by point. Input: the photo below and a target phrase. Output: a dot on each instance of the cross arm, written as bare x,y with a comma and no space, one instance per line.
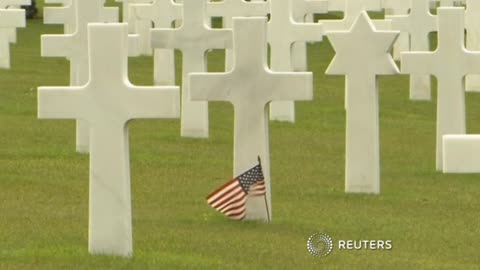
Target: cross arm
57,15
337,5
63,2
473,61
151,12
307,7
143,11
61,103
56,45
247,9
210,86
382,25
291,86
153,102
16,2
399,22
417,63
12,18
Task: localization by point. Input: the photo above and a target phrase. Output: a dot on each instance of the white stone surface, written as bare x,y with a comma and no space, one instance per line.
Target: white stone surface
461,154
194,38
472,25
450,63
336,5
361,64
138,26
227,9
250,86
12,4
448,3
10,19
74,47
162,13
351,9
398,7
282,32
108,101
303,12
419,23
65,14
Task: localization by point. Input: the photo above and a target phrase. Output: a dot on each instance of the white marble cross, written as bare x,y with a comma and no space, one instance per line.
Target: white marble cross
61,15
303,12
138,26
194,38
66,14
419,23
74,47
162,13
472,24
12,4
450,63
227,9
9,19
361,63
250,86
398,7
282,33
108,101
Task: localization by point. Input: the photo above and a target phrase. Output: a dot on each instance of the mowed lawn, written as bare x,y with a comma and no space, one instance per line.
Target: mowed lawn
432,218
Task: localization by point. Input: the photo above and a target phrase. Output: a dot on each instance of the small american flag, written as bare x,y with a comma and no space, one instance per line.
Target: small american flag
230,198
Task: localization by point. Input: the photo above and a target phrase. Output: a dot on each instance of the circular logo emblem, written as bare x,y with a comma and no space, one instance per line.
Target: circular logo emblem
320,245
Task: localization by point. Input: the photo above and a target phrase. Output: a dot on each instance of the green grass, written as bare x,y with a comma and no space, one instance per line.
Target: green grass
432,218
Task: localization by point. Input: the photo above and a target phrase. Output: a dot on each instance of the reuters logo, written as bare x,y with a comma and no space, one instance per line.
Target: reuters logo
320,245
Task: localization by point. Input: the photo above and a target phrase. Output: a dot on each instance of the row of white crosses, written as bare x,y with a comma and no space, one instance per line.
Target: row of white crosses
107,100
11,17
450,63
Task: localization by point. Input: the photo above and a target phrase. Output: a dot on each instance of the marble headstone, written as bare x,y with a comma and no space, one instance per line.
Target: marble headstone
74,47
138,26
282,33
227,9
163,14
250,86
450,63
472,25
108,101
419,23
361,64
193,38
9,19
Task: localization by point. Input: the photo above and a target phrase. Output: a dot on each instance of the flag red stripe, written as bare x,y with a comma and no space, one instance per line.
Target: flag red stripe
239,195
234,205
222,193
237,213
222,187
227,197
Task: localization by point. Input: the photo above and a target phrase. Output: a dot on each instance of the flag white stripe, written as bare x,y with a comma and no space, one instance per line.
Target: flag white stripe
213,198
227,196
